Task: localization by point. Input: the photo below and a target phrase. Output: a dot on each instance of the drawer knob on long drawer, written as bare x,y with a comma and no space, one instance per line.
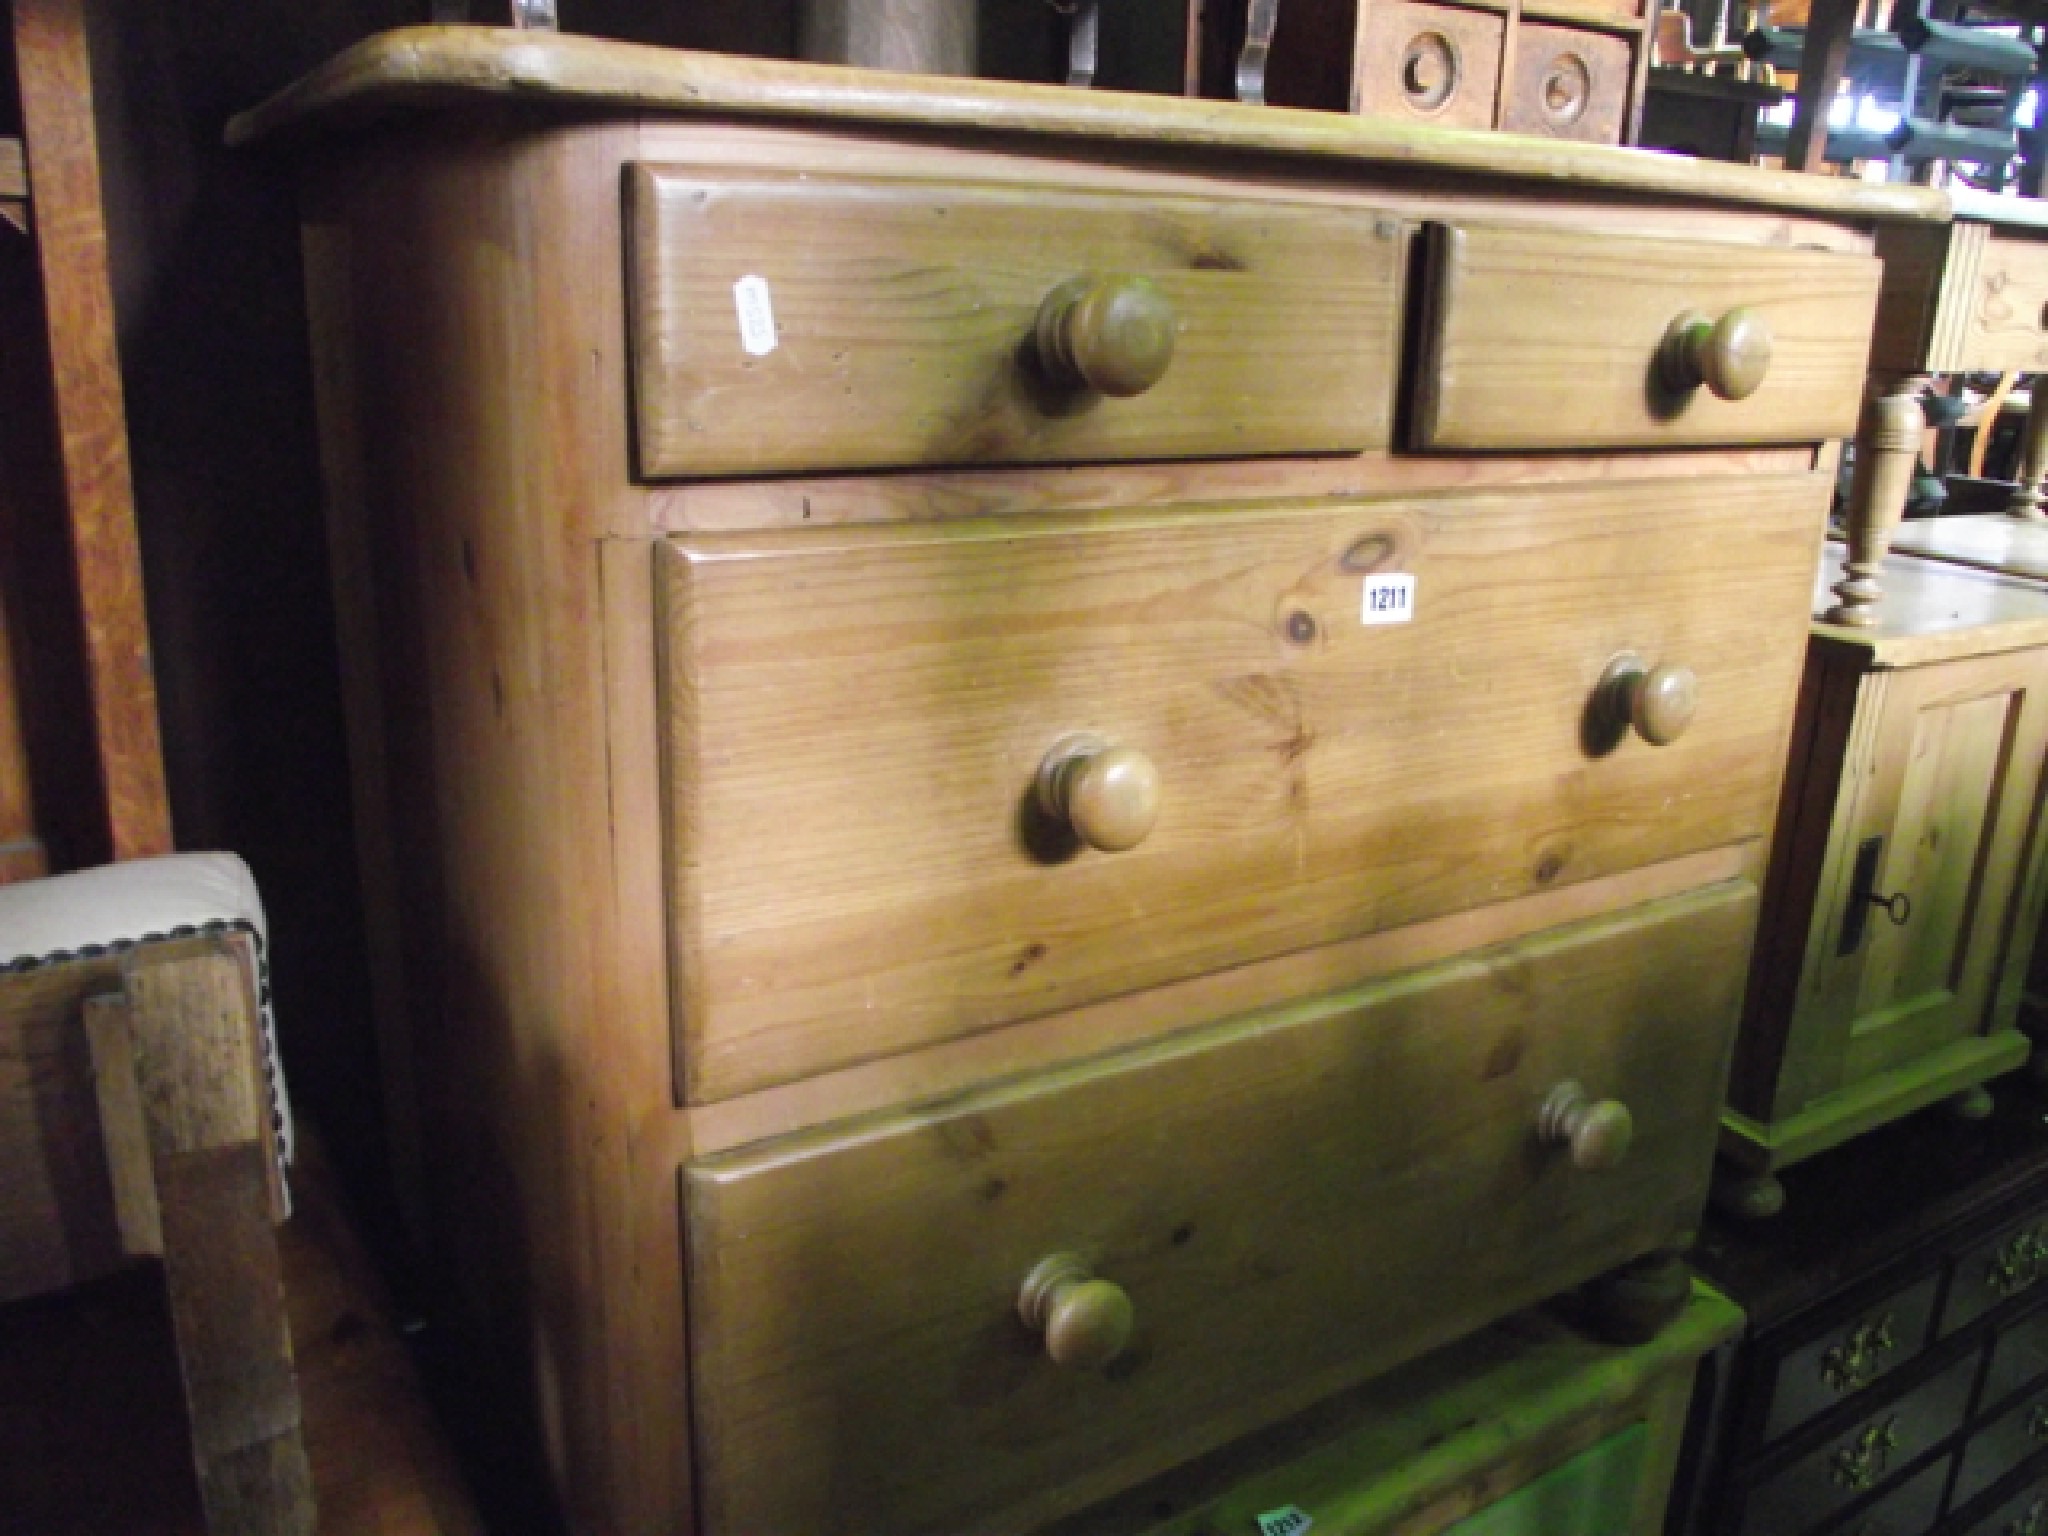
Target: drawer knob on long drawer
1086,1320
1108,795
1658,701
1112,333
1730,355
1597,1131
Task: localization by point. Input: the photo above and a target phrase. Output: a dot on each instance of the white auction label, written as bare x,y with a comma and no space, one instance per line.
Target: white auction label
1288,1521
1389,599
757,315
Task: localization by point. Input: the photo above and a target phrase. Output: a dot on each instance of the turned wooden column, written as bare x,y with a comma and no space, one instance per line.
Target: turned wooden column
925,37
1887,448
2027,496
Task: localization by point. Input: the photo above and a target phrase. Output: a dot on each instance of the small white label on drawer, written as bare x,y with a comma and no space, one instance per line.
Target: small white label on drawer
1288,1521
1389,599
757,315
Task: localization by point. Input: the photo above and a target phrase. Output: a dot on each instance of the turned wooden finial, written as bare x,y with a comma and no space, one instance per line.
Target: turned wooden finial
2027,496
1887,448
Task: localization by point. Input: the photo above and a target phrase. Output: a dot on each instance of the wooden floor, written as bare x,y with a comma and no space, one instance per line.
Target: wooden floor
91,1426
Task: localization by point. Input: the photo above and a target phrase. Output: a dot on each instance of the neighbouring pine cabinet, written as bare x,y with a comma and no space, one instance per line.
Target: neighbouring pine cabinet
1905,884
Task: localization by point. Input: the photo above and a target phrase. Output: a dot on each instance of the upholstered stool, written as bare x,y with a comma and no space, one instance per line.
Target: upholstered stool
142,1113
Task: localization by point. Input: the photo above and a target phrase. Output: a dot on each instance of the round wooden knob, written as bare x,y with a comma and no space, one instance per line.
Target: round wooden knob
1658,701
1113,334
1086,1321
1597,1131
1730,355
1108,795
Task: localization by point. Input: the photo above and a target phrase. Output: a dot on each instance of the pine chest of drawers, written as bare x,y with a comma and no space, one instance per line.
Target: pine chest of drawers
1041,775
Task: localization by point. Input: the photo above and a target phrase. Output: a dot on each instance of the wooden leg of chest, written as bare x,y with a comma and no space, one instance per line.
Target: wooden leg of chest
1887,447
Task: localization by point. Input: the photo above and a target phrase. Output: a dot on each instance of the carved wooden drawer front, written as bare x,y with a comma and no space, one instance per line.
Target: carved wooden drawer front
1569,83
809,323
1637,343
1252,1214
1851,1356
1863,1457
927,780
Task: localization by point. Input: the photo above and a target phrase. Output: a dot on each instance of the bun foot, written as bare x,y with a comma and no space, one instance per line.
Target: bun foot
1748,1196
1632,1304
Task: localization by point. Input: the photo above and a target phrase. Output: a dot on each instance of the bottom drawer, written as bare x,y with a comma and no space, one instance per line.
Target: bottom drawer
1284,1203
1593,1494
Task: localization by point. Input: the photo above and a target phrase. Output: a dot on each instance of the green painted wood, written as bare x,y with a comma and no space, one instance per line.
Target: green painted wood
1593,1494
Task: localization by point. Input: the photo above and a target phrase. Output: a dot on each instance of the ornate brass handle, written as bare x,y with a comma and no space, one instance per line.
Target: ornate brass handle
1862,1461
2033,1523
2037,1422
1860,1356
1113,333
2018,1264
1086,1321
1730,355
1108,795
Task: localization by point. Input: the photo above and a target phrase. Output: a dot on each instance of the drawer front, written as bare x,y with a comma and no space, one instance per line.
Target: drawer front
1430,63
1860,1459
1569,83
858,723
1851,1356
1908,1510
2019,1356
1995,1271
1586,366
1289,1202
2006,322
2024,1514
817,324
1593,1494
1997,1448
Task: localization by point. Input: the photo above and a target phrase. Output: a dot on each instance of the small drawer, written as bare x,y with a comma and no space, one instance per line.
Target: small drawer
2006,322
1997,1448
1309,1195
927,780
2019,1356
812,323
1569,83
1860,1459
1993,1272
2024,1513
1850,1356
1431,63
1637,343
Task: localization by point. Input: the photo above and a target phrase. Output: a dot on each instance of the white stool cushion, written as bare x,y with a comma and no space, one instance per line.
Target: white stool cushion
97,911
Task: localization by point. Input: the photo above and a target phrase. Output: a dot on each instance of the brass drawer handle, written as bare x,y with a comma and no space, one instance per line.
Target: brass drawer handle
2037,1422
1108,795
1862,1461
1730,355
1598,1132
1857,1360
2018,1264
1658,701
2033,1523
1086,1320
1111,333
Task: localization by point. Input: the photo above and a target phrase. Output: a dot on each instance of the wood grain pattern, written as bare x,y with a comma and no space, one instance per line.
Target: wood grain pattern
855,871
85,379
417,65
2006,305
1534,337
844,1385
903,314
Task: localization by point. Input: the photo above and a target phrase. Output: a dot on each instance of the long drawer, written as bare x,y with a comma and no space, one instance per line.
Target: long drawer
863,856
814,322
1286,1202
